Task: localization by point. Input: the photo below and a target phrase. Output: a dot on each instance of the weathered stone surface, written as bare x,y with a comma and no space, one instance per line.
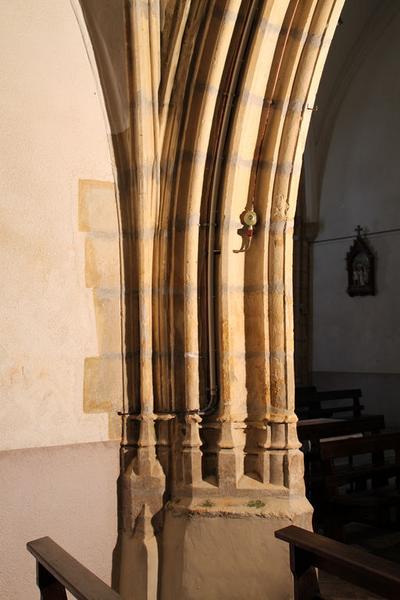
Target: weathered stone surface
226,549
218,118
97,206
102,383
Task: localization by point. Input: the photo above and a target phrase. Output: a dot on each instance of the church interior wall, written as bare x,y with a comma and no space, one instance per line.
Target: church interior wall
65,492
60,315
355,339
77,319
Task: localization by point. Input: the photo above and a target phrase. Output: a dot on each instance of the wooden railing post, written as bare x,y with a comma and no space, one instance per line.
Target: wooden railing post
358,567
50,588
305,579
57,571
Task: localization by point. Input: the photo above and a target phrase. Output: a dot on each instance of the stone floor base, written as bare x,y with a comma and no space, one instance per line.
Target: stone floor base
223,550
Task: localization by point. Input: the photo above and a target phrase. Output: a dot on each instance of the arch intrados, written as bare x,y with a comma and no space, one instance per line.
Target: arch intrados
280,157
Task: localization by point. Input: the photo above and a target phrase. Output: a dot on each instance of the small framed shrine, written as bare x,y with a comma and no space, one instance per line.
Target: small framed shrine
360,267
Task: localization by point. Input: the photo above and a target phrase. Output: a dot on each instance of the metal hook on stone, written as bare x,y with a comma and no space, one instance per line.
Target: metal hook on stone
249,219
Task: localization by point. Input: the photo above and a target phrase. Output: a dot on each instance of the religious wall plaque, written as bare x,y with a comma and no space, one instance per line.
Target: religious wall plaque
360,267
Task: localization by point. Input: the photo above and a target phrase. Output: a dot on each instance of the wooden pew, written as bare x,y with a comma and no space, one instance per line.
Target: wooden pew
57,571
309,551
316,430
306,402
312,432
311,404
373,499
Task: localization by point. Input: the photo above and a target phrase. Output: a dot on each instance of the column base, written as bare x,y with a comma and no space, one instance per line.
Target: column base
225,549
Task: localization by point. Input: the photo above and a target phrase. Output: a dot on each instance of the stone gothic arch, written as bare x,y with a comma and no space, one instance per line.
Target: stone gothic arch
217,98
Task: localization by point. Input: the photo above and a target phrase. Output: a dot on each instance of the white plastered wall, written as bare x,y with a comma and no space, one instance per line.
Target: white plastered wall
52,133
356,340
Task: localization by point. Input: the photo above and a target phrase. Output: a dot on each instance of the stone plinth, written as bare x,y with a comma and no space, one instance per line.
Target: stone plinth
224,549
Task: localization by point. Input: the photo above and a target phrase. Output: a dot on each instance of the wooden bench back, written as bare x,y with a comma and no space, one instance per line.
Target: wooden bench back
360,445
308,550
312,403
368,475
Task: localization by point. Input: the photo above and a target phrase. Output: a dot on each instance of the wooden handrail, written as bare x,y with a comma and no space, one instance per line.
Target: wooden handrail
352,394
309,402
58,571
310,429
361,445
309,550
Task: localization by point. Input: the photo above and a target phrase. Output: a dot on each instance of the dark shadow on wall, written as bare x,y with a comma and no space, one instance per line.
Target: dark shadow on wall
106,33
